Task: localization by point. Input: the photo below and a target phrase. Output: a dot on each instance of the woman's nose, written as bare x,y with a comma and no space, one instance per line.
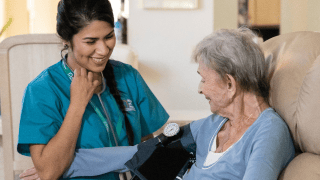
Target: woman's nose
200,88
102,48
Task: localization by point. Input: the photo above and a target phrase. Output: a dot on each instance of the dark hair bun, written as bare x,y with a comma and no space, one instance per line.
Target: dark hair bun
74,15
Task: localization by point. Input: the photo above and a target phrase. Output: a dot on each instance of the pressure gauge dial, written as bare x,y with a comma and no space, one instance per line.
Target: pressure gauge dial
171,129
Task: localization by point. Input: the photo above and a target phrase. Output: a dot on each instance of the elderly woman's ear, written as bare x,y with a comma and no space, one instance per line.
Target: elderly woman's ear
231,86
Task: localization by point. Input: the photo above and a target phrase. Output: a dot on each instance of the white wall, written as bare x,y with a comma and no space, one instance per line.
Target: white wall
164,40
300,15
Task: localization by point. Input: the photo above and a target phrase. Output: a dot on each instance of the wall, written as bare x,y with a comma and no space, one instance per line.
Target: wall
164,40
225,14
17,10
44,17
41,18
313,15
299,15
2,14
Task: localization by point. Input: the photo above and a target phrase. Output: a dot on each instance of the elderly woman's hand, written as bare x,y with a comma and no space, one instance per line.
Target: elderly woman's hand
30,174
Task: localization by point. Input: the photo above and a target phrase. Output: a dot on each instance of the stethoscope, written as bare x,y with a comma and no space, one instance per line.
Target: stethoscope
105,110
67,68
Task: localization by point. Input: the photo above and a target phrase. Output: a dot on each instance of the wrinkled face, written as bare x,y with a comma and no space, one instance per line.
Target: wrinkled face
92,47
213,88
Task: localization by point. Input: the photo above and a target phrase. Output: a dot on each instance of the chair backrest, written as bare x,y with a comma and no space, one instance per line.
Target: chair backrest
22,58
295,85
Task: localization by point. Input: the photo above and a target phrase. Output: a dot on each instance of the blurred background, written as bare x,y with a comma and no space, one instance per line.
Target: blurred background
163,33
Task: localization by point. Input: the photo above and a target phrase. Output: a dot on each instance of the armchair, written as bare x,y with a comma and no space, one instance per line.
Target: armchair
295,95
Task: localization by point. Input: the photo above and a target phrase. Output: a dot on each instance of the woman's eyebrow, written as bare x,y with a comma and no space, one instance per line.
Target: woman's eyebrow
94,38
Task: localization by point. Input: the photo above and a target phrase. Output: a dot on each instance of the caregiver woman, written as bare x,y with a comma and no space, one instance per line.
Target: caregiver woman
68,106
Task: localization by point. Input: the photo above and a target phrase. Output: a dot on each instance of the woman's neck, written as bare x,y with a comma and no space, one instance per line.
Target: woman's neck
245,109
96,75
74,65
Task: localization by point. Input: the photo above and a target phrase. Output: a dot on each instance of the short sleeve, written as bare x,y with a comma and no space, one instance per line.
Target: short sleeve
272,150
40,117
195,127
153,115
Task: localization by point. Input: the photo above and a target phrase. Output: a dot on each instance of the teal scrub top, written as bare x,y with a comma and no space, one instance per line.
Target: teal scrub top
46,100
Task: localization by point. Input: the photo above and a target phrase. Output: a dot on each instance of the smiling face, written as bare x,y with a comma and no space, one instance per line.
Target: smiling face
214,88
92,47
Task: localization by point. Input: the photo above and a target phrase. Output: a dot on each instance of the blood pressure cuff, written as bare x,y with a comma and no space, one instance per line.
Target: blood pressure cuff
154,160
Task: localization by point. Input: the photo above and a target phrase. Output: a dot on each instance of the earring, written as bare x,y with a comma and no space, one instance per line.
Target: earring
65,47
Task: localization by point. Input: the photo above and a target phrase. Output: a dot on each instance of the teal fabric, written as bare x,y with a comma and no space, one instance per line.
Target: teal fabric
46,101
262,152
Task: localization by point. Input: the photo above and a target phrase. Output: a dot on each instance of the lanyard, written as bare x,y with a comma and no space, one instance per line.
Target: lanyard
70,74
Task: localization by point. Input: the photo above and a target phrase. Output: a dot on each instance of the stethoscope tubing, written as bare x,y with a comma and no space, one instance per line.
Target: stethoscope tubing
105,111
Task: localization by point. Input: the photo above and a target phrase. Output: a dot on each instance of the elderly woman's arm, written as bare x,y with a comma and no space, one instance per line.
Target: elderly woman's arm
270,154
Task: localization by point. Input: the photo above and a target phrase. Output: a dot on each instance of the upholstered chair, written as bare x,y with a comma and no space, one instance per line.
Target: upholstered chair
295,95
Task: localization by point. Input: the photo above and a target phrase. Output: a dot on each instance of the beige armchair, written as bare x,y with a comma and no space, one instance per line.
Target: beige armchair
22,58
295,95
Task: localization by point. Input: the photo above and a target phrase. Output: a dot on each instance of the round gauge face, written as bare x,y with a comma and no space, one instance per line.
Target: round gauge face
171,129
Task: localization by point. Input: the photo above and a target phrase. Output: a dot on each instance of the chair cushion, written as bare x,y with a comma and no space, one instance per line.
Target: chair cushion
295,85
304,166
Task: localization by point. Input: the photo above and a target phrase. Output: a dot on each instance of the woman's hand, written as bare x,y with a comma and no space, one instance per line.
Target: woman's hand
53,159
30,174
82,87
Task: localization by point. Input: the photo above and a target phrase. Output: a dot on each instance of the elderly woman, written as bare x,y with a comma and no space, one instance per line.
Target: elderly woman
244,138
